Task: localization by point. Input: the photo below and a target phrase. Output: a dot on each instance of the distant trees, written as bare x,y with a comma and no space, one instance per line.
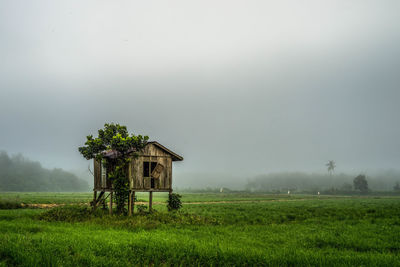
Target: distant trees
18,173
360,183
346,187
314,182
302,182
396,187
331,166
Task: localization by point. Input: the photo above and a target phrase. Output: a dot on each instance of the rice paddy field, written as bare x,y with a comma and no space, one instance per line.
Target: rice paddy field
233,229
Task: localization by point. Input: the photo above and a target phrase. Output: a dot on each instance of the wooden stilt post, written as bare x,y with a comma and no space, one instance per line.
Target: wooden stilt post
130,204
169,196
150,200
111,203
94,199
133,202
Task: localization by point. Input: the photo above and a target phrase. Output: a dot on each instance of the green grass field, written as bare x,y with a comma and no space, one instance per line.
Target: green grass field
216,229
76,198
79,198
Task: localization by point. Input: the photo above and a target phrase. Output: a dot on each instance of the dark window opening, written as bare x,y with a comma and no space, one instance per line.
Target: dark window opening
146,169
152,182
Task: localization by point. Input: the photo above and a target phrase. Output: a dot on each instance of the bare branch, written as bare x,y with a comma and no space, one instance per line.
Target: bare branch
90,169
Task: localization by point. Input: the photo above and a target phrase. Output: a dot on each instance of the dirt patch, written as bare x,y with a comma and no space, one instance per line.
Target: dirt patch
49,206
41,206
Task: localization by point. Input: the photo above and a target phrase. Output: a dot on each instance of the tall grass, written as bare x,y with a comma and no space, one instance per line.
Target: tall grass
9,204
327,232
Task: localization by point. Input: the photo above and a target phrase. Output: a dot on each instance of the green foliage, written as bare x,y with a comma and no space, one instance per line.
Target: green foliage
72,213
120,182
142,219
18,173
8,204
115,137
141,208
360,183
112,137
174,202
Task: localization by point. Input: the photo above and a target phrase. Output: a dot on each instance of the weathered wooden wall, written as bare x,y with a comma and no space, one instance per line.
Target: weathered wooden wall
151,153
97,174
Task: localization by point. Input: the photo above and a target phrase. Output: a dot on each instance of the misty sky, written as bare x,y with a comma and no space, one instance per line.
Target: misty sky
244,87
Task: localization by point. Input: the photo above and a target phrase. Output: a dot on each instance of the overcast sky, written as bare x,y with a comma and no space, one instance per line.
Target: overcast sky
244,87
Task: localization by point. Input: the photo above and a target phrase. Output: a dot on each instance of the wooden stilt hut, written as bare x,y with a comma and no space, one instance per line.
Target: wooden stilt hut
150,172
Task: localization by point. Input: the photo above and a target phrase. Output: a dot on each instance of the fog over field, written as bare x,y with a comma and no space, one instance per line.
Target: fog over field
238,88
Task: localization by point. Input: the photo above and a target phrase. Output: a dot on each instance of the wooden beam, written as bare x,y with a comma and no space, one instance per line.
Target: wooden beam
94,203
111,203
133,202
159,156
130,203
150,200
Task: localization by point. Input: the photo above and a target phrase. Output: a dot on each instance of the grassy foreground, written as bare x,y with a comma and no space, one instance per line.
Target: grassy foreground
296,231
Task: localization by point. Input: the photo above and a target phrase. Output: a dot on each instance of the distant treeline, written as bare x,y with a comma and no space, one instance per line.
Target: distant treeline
20,174
304,182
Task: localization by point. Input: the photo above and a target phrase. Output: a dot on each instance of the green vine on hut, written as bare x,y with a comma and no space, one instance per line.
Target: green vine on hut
116,138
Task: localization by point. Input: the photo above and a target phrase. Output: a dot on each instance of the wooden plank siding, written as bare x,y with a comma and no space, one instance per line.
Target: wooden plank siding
97,174
137,182
169,173
151,153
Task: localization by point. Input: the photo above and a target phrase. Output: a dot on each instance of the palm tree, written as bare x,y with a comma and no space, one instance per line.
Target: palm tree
331,166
